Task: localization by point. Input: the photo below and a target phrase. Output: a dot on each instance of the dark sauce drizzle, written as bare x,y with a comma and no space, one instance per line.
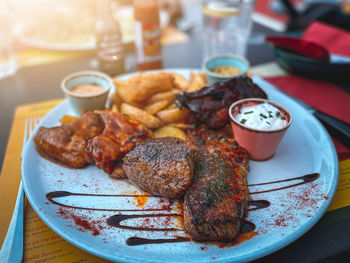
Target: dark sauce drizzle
305,179
258,204
135,241
247,227
57,194
116,220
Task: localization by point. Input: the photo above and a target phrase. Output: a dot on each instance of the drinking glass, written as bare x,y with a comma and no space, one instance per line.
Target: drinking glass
226,26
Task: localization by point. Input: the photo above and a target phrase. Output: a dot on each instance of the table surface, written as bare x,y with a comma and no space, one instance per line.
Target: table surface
326,243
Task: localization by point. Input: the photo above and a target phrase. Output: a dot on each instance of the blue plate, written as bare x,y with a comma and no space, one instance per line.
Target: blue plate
305,150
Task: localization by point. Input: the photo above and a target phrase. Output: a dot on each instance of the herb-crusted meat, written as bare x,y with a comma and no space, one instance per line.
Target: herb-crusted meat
215,204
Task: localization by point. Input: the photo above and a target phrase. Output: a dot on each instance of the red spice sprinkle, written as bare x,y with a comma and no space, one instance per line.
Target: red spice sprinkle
326,197
82,221
167,220
204,248
280,221
168,206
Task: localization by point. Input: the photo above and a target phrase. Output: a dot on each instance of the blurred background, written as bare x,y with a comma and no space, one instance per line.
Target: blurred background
38,31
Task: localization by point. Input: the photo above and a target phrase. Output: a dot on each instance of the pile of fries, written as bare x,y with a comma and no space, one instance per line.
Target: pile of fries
149,99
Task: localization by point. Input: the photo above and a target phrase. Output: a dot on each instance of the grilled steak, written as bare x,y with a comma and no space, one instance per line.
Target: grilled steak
215,203
66,144
161,167
209,105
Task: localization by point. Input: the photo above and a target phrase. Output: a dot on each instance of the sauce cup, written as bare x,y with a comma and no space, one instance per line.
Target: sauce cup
230,60
89,101
261,144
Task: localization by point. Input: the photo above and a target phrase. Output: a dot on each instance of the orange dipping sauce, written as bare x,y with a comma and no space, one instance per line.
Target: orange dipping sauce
87,89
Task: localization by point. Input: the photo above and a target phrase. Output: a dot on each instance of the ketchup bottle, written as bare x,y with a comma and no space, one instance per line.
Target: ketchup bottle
147,34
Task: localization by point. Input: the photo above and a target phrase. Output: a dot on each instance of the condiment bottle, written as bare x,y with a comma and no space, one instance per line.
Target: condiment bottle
147,34
109,45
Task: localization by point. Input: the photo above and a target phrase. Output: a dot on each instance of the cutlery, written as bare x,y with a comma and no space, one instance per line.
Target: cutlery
12,248
337,128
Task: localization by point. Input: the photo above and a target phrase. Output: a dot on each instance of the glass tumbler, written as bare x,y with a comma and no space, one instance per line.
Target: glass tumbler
226,26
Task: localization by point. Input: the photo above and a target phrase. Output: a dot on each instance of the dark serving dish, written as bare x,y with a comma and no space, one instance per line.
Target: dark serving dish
312,68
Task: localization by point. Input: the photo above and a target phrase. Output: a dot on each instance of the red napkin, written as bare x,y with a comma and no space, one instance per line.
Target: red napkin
323,96
335,40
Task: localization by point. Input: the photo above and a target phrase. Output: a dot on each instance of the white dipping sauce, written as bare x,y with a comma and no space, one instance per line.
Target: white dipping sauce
262,116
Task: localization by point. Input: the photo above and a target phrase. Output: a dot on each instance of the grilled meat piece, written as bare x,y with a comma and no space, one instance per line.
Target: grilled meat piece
161,167
210,104
215,204
66,144
118,138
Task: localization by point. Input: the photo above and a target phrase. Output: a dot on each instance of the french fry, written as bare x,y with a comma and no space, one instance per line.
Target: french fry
180,125
181,82
169,96
67,119
118,100
174,115
172,106
136,90
141,116
114,108
197,82
154,107
169,131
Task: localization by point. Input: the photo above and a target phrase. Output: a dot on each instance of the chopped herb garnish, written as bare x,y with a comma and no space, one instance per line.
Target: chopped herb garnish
268,122
278,114
269,111
262,115
249,112
243,121
283,118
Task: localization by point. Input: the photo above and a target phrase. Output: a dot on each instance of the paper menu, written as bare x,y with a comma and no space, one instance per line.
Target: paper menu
41,244
342,195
